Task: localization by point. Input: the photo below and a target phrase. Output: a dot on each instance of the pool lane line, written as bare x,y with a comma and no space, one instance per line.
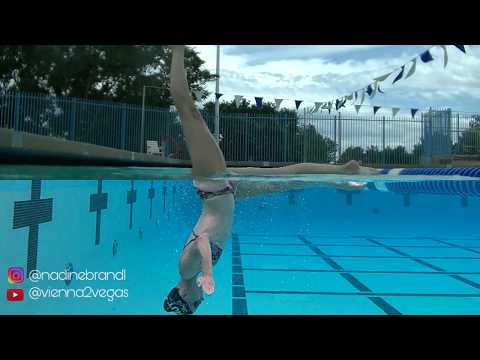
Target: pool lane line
349,245
466,248
239,299
357,237
427,264
365,271
364,256
357,284
358,293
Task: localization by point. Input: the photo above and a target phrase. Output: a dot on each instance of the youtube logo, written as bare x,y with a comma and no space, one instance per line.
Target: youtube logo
15,294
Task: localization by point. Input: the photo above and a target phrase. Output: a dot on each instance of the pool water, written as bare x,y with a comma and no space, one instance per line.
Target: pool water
401,246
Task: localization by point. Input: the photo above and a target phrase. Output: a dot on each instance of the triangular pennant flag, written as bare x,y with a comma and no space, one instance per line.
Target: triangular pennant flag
317,106
426,56
399,76
375,109
363,97
357,107
395,111
461,47
369,90
277,103
412,69
329,107
380,90
238,100
297,103
414,111
218,95
445,55
198,94
342,104
383,77
375,87
259,100
337,104
356,95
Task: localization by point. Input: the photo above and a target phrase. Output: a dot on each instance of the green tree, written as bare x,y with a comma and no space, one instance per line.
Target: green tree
99,72
469,140
265,134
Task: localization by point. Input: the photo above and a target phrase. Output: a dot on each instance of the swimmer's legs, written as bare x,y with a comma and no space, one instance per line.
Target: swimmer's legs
352,167
207,157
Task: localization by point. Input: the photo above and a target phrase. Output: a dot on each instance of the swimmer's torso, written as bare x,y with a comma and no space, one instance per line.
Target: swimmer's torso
216,218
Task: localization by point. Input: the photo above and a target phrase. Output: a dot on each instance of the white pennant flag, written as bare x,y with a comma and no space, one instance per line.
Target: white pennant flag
395,111
383,77
198,94
357,107
363,97
412,69
445,55
238,100
317,106
375,87
277,103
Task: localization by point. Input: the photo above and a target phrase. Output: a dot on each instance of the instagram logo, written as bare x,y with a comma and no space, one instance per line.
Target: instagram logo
15,275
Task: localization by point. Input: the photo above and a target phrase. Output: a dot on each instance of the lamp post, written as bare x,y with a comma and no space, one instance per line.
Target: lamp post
142,128
217,100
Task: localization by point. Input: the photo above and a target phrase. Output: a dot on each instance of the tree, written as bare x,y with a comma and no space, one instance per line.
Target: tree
469,140
265,134
99,72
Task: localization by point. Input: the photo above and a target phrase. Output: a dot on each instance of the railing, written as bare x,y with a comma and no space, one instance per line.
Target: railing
276,138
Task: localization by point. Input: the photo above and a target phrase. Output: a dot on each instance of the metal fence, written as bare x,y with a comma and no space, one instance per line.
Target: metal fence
278,138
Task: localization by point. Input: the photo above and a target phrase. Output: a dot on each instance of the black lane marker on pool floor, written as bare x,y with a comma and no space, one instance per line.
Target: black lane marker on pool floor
369,294
431,266
466,248
357,284
366,271
366,256
239,300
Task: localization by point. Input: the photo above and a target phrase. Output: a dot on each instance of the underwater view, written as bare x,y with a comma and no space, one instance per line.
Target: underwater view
83,240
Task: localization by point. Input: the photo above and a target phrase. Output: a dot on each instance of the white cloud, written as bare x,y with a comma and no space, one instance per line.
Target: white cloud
320,73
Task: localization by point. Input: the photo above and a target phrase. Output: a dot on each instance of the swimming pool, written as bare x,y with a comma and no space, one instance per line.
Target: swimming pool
401,246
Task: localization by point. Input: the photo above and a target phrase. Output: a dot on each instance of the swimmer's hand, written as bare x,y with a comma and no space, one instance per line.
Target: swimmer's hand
206,283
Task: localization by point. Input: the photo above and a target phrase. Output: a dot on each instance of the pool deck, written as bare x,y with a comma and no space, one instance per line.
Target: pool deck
21,147
25,148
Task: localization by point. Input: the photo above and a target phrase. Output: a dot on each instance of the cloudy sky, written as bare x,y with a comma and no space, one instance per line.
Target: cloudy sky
326,72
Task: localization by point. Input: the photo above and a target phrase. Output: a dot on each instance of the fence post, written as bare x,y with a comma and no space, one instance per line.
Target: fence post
304,137
285,129
383,141
16,120
73,119
458,134
124,125
339,136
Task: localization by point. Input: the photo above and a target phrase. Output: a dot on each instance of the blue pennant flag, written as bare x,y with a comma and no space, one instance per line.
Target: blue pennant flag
380,90
369,90
259,100
375,109
461,47
337,104
426,56
356,95
297,103
218,95
400,75
342,104
414,111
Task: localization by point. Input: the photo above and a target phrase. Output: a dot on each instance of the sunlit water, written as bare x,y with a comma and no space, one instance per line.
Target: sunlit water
408,245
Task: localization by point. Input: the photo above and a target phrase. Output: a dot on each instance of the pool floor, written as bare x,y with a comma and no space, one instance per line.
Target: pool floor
307,274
